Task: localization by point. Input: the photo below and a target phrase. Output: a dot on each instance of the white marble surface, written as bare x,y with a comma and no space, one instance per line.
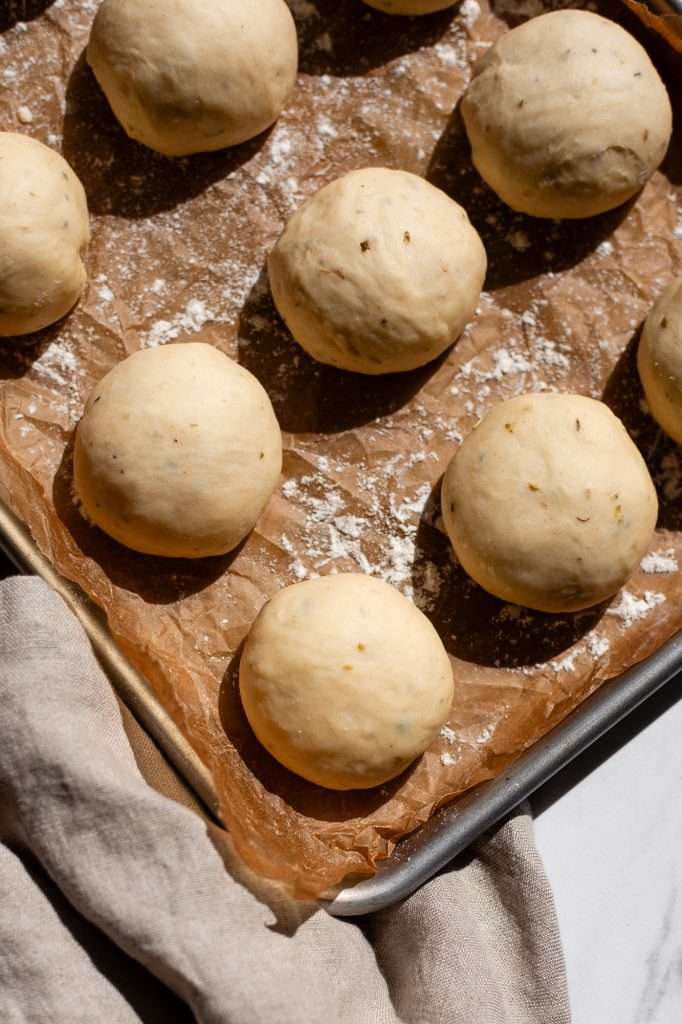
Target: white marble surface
610,833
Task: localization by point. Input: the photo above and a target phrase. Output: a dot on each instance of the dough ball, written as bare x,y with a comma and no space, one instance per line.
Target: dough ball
177,452
567,116
344,681
410,6
377,272
659,360
43,231
185,77
548,503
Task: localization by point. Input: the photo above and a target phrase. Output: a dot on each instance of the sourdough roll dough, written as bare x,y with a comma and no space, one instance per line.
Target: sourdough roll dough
548,502
344,681
410,6
659,360
377,272
184,77
567,116
43,232
177,452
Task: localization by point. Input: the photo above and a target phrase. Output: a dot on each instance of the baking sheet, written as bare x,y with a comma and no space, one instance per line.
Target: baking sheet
177,254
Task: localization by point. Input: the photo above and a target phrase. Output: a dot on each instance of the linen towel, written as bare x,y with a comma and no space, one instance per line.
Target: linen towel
121,903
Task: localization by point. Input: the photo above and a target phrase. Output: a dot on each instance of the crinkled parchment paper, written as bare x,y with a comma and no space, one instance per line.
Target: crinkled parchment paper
668,25
177,253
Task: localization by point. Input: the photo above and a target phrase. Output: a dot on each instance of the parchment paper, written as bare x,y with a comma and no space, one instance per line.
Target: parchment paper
177,253
669,26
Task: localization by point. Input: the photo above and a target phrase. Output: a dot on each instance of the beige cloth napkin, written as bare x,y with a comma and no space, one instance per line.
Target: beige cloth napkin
120,905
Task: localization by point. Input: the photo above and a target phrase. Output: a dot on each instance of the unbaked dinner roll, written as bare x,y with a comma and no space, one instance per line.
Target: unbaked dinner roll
410,6
43,231
183,77
659,360
177,452
344,681
377,272
567,116
548,502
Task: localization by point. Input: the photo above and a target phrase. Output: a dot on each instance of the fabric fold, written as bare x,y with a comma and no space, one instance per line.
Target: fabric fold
119,904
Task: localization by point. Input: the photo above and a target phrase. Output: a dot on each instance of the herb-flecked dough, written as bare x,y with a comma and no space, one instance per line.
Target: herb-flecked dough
378,272
177,452
659,360
567,116
548,503
184,78
44,231
344,680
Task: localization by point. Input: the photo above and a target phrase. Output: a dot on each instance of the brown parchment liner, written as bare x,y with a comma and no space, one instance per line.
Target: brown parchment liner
668,24
177,253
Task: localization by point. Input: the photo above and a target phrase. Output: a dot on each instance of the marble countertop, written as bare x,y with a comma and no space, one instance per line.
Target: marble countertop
609,829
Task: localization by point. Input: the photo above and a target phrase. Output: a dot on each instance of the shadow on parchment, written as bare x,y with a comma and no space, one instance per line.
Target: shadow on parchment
124,178
21,10
19,352
474,625
309,397
304,797
519,247
156,580
664,57
624,394
346,38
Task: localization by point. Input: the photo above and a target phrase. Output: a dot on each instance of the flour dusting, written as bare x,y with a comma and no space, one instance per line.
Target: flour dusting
630,608
660,562
190,321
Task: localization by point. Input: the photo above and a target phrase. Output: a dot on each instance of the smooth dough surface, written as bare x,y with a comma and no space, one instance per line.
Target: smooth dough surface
44,229
377,272
659,360
177,452
410,6
184,78
344,680
548,503
567,116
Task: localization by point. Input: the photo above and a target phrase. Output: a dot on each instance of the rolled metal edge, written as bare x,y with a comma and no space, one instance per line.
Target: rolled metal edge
454,828
18,544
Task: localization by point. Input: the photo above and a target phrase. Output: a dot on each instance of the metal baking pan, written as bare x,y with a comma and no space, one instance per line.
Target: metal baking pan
420,855
423,853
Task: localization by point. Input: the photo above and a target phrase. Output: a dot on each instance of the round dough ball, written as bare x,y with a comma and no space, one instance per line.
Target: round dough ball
659,360
548,502
344,681
43,231
177,452
377,272
410,6
183,77
567,116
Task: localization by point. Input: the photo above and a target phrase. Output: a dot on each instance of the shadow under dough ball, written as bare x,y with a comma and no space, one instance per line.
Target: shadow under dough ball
566,116
344,680
177,452
548,503
185,77
410,6
659,360
44,230
378,272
